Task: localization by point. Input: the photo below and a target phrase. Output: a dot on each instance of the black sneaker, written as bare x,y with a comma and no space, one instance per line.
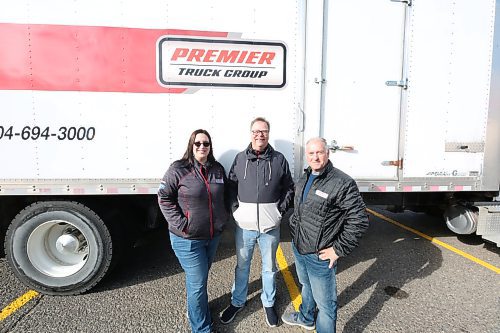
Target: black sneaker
271,317
229,313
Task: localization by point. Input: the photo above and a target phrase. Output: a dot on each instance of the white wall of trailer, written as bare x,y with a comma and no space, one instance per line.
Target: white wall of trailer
138,135
491,174
339,57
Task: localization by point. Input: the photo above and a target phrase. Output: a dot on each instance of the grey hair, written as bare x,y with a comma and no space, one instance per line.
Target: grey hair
318,139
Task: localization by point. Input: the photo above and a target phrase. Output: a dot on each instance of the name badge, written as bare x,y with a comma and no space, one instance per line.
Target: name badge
322,194
219,180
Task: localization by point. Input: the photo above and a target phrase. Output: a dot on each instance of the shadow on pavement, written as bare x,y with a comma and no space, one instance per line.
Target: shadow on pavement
150,258
395,261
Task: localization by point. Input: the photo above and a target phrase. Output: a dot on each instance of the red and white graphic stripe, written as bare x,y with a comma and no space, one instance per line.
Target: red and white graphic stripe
416,188
83,58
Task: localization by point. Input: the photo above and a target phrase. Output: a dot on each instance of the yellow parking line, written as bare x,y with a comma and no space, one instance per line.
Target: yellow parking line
16,304
289,281
438,242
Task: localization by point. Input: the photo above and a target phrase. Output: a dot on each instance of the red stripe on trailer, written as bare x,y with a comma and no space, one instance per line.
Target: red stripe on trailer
407,189
459,188
83,58
143,190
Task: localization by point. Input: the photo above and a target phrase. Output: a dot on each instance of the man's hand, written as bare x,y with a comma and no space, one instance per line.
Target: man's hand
328,254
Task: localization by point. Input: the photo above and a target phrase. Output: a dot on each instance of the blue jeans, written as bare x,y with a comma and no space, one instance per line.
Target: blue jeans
245,243
196,257
319,290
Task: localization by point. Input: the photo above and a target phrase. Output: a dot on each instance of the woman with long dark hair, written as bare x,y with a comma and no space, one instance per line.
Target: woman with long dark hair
192,197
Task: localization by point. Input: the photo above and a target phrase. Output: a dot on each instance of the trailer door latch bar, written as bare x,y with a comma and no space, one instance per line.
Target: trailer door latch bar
402,83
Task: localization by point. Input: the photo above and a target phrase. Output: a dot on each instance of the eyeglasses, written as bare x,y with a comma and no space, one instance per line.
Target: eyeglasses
204,143
257,132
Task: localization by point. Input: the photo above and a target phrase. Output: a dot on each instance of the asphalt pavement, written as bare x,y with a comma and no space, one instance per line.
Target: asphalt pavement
395,281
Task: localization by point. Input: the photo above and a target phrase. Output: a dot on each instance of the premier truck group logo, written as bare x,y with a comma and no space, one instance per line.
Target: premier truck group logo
221,63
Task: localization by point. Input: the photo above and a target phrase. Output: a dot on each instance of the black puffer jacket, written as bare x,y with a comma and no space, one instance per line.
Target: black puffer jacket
195,207
333,213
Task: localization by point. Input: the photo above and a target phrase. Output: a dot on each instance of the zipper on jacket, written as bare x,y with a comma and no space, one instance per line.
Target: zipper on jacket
297,225
186,228
301,203
299,211
258,220
207,185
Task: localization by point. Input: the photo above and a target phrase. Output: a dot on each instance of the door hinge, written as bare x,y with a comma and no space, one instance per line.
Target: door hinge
408,2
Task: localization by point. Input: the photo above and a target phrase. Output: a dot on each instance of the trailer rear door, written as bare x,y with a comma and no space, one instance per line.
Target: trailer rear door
447,100
363,48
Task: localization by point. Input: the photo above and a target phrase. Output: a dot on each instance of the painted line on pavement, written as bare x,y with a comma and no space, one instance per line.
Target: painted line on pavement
17,304
293,290
438,242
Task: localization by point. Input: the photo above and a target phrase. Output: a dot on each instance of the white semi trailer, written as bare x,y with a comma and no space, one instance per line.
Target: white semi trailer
98,98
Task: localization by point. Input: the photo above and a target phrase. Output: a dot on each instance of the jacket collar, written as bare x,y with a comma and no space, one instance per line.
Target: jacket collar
198,164
265,155
328,168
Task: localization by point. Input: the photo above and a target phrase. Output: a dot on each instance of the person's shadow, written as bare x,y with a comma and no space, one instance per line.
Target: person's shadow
396,261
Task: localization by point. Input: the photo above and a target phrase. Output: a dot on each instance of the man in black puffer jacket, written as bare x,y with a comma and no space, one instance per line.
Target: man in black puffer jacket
327,222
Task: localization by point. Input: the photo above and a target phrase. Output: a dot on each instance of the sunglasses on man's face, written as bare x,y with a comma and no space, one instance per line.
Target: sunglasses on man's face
204,143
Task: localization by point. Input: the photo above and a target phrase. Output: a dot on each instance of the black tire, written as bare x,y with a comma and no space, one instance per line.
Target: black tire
59,247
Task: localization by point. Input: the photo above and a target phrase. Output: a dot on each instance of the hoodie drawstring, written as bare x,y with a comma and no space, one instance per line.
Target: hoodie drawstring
246,167
268,163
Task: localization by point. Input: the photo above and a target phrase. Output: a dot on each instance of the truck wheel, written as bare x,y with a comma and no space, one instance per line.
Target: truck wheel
58,247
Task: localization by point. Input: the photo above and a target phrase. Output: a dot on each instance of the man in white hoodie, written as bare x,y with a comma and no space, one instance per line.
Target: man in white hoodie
262,190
